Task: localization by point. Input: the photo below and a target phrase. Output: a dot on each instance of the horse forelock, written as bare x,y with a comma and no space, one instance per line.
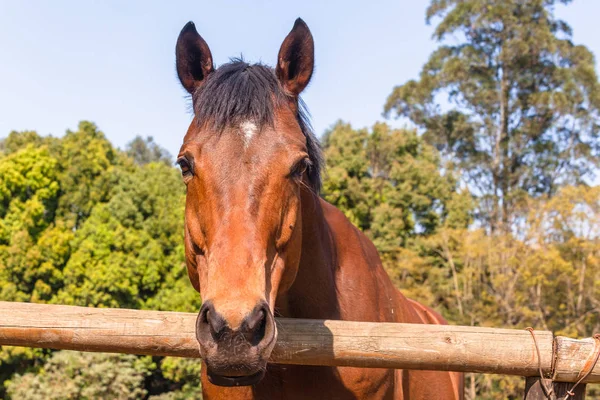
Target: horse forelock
246,97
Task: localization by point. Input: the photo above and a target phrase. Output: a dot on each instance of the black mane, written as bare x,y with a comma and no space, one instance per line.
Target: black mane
237,92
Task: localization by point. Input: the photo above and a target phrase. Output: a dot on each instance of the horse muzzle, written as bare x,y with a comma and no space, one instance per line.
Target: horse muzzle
235,356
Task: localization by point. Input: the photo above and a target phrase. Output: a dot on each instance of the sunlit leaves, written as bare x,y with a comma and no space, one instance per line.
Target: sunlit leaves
81,223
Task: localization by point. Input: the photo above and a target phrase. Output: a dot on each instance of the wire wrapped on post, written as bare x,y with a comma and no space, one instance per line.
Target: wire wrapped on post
547,392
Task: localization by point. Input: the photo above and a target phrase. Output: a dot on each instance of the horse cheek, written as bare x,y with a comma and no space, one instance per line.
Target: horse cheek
290,260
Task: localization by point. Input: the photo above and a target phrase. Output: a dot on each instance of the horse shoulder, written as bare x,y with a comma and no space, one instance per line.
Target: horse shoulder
351,244
427,314
366,293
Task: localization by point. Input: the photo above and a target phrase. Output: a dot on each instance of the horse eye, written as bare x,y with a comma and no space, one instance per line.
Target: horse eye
300,168
186,168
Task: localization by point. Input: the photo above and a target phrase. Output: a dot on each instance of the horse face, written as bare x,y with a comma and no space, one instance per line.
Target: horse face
243,240
244,174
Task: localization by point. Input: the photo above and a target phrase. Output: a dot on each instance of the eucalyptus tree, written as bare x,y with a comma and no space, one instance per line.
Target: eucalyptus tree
509,98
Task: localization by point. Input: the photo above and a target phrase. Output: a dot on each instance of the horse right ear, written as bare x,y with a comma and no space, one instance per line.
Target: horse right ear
296,59
194,61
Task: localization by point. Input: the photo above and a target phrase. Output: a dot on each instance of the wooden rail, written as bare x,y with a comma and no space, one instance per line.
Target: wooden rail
309,342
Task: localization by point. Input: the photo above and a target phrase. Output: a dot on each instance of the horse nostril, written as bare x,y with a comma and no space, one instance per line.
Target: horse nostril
217,325
210,321
255,324
255,319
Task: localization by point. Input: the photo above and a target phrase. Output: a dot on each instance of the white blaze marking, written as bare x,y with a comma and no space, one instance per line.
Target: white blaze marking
249,130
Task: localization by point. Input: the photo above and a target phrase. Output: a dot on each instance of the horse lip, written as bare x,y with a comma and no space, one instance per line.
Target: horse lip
232,381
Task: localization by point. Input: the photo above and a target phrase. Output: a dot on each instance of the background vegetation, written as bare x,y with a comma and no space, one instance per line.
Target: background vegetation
482,207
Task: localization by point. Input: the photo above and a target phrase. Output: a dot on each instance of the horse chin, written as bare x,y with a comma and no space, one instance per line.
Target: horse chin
233,381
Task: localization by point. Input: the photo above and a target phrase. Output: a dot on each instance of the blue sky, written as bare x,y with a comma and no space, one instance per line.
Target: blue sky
112,62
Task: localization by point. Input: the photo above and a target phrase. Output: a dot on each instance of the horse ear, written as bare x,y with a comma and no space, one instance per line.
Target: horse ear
296,59
194,61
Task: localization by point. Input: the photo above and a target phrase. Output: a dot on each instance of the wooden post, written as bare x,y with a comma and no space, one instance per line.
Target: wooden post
534,391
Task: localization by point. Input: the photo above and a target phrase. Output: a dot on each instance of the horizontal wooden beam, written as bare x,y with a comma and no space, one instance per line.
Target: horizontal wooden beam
308,342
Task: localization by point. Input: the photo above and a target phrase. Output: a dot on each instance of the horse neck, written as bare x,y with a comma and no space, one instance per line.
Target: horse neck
313,294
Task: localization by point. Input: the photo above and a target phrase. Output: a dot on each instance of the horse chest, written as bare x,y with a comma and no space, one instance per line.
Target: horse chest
311,382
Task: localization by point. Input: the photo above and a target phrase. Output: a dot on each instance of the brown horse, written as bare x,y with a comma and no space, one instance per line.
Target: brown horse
260,241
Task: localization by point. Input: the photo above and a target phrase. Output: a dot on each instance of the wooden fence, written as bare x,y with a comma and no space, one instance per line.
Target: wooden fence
315,342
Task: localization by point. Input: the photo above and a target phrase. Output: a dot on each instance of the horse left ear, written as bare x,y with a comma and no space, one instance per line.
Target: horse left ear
296,59
193,58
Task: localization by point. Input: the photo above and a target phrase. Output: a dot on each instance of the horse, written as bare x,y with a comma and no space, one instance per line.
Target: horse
259,240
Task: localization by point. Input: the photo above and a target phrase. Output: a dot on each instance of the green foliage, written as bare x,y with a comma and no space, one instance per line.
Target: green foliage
30,244
186,374
87,161
386,181
82,223
73,375
144,151
18,140
28,188
128,246
547,277
523,102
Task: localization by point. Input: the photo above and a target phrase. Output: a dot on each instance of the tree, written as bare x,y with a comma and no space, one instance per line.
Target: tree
82,223
547,277
131,246
86,161
568,227
18,140
145,151
386,181
74,375
184,373
521,117
32,247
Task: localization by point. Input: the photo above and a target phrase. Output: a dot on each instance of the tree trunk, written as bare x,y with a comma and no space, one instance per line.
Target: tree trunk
505,146
450,259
